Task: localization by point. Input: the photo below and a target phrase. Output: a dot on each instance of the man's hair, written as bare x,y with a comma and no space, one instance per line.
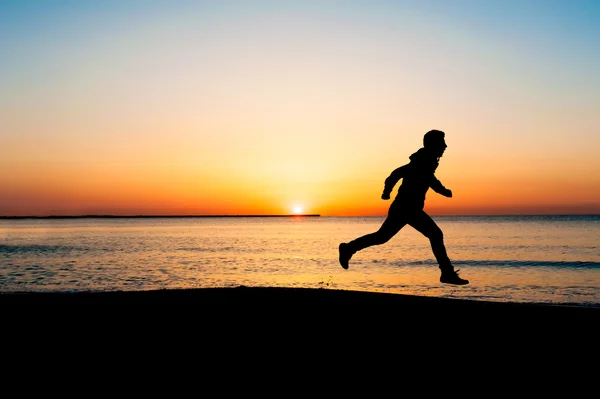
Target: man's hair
432,137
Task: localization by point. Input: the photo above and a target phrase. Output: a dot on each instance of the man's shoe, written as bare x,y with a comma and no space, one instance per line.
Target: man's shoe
451,277
345,255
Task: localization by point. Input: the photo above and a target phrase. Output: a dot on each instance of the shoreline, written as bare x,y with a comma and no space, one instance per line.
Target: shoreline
276,296
288,316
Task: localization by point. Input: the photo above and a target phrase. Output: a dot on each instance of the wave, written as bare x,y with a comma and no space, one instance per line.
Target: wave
14,249
519,263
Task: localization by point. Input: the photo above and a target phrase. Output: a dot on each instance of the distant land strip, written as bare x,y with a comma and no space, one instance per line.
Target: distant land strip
156,216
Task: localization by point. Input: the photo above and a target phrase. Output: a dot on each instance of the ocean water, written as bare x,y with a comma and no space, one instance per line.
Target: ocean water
541,259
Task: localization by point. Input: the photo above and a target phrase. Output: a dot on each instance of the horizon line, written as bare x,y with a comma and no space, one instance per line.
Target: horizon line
108,216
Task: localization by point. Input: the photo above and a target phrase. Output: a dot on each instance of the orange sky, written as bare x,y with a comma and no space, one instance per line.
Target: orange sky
256,109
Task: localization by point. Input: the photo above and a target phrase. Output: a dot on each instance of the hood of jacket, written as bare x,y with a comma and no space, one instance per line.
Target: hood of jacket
425,158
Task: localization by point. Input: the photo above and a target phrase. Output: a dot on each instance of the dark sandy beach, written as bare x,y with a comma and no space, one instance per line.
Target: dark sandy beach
291,323
278,300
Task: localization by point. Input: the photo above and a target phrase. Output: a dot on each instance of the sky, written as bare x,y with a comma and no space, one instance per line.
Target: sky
275,107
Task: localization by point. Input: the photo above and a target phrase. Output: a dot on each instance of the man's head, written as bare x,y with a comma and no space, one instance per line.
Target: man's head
434,141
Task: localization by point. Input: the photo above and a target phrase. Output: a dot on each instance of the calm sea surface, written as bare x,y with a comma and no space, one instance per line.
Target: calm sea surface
549,259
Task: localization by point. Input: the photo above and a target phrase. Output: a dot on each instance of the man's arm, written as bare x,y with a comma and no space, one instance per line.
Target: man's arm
439,188
391,181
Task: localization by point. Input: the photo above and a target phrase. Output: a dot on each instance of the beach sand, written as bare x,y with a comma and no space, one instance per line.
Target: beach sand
293,323
275,300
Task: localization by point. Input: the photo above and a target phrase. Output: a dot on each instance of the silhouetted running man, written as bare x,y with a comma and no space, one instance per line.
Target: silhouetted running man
407,208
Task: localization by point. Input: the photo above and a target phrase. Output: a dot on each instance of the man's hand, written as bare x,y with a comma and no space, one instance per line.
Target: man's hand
448,193
385,196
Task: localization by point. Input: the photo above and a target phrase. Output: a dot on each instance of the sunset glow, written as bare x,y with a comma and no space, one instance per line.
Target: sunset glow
297,210
220,107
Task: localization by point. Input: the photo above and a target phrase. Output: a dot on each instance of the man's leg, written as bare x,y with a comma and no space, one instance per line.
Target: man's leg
391,225
426,226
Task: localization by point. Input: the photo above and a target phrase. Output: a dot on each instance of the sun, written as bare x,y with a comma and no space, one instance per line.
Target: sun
297,210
